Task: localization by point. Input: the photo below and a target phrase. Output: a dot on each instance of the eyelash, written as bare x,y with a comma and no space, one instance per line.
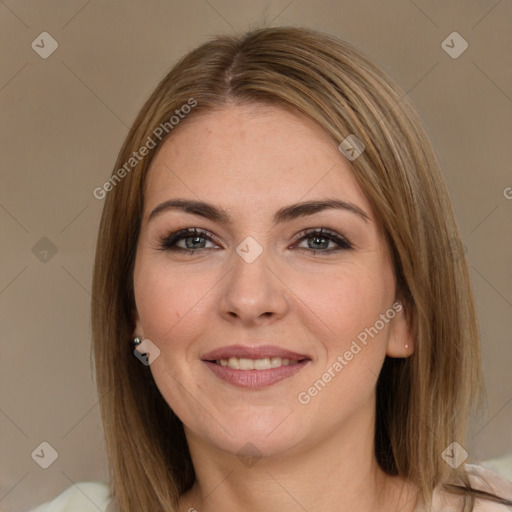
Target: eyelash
168,242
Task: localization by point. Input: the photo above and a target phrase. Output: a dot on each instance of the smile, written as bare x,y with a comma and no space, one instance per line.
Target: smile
242,363
254,366
248,376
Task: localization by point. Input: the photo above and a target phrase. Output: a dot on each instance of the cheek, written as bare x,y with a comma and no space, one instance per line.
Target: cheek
346,302
170,301
359,317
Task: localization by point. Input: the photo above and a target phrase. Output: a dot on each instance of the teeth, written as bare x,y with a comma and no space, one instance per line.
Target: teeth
242,363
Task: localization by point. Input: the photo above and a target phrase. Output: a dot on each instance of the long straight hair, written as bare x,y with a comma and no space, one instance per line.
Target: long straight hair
424,401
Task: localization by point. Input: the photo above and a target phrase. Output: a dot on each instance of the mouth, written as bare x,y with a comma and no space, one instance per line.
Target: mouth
254,367
266,363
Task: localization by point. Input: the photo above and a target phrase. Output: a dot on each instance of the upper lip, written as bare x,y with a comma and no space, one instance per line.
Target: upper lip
256,352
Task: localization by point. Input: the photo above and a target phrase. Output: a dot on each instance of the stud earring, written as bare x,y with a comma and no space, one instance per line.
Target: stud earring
136,341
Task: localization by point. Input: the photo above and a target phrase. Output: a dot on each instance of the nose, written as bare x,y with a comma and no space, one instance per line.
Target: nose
253,292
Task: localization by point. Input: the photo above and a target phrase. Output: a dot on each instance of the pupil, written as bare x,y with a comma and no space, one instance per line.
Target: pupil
316,238
195,239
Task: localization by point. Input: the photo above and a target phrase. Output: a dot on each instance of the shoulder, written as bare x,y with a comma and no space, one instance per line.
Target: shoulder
484,479
80,497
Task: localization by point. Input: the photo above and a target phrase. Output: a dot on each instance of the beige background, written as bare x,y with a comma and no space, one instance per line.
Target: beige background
63,121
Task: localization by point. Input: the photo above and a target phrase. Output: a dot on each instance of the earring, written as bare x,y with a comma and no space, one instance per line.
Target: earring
406,345
136,341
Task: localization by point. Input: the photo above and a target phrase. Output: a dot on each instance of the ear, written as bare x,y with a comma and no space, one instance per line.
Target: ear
137,331
401,339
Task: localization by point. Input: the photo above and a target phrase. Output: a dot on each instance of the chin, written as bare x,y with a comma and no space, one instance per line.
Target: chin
266,437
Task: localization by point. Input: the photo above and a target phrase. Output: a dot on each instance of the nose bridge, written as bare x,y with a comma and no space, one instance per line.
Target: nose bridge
252,289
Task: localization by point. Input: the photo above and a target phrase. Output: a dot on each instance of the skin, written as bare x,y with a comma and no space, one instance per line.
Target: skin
251,161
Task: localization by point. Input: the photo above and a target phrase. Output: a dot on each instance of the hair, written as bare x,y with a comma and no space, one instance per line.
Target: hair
423,401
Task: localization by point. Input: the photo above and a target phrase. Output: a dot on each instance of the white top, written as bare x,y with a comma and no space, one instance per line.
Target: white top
81,497
94,496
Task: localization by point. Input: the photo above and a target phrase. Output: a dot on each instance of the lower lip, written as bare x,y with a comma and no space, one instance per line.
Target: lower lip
255,378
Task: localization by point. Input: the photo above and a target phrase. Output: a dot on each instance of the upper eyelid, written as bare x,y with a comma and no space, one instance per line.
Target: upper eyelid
189,232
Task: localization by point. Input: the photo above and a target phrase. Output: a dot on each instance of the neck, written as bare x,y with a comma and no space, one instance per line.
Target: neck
337,472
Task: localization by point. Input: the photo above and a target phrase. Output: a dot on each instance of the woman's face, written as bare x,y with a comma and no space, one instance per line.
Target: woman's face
256,280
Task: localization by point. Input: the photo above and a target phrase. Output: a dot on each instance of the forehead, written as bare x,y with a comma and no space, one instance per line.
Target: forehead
251,155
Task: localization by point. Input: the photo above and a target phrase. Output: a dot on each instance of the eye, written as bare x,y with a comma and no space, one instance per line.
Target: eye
193,240
318,241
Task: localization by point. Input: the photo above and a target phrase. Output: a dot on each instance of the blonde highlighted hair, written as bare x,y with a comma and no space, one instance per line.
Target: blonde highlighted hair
424,401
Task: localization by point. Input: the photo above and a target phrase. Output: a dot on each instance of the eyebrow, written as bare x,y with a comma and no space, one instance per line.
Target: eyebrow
287,213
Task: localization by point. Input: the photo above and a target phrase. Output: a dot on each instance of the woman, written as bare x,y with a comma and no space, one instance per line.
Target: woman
278,243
